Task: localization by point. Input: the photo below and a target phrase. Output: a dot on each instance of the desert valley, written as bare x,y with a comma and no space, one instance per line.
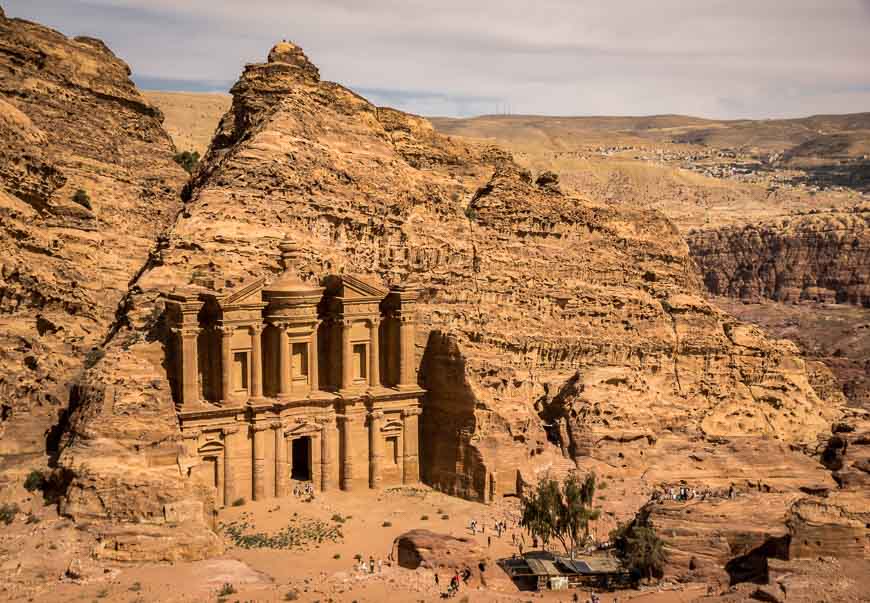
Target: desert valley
285,344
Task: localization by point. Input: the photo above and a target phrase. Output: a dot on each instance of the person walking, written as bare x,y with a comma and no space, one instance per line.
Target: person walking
371,565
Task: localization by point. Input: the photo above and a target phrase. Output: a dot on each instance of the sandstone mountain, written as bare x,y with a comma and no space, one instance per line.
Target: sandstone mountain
556,330
87,184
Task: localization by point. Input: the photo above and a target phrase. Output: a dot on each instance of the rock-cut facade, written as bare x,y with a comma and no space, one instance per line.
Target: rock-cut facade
291,384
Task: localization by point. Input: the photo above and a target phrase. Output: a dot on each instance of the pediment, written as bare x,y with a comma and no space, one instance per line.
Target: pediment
249,293
354,287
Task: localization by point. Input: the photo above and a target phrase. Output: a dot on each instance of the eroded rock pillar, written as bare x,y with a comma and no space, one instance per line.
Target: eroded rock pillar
376,453
346,353
256,361
347,453
281,470
226,332
327,429
374,354
283,361
259,474
189,365
410,446
313,366
231,445
407,374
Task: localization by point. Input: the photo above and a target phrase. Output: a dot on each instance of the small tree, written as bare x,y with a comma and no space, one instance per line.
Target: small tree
188,160
560,512
639,547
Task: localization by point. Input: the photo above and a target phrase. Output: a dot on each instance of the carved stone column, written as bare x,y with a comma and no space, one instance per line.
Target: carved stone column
407,328
259,474
226,333
346,353
230,459
313,368
327,430
283,362
376,454
281,474
256,361
187,336
374,354
410,446
347,449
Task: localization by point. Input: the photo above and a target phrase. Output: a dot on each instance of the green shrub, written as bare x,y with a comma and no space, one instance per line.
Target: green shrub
188,160
445,517
35,480
424,518
387,524
238,502
226,590
337,556
135,587
82,198
8,512
31,518
338,518
291,595
102,594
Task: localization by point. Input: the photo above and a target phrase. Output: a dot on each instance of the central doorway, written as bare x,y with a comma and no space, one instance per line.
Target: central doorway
301,459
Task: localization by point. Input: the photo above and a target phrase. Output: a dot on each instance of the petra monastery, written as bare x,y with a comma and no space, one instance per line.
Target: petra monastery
296,382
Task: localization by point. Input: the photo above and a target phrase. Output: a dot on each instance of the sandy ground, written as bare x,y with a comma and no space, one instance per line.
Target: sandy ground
327,572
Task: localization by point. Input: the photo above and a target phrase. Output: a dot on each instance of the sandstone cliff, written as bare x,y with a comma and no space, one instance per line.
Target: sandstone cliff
70,120
553,329
820,256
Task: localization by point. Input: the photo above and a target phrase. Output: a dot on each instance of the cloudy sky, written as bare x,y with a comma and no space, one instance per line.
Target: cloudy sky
726,59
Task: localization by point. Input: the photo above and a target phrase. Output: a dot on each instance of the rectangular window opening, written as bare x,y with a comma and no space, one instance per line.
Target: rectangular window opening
299,355
240,371
360,361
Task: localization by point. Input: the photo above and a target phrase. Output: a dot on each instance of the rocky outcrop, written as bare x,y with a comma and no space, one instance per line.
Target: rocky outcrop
549,324
424,548
820,256
87,184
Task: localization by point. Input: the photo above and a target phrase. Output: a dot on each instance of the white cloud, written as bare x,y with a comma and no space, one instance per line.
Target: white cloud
711,58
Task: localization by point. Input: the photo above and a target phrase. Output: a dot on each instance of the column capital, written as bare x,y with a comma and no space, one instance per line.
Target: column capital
376,415
325,421
345,418
230,429
225,330
276,425
411,412
255,328
260,427
374,322
191,434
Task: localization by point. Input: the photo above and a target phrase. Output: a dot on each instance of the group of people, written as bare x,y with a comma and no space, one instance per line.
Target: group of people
303,490
684,493
369,567
453,587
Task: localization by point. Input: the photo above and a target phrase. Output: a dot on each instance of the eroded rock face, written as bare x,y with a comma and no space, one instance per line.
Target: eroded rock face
822,256
424,548
550,325
70,119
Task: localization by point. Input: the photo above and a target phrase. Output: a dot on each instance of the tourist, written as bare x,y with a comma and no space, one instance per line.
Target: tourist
489,541
380,566
436,578
371,565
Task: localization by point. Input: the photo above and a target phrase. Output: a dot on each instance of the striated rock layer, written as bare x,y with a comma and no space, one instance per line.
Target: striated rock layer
553,329
819,256
70,119
87,187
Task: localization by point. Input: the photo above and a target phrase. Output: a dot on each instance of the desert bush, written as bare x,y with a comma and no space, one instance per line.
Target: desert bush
8,512
34,481
291,595
424,518
338,518
445,517
82,198
639,547
387,524
238,502
31,518
337,556
135,587
188,160
226,590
